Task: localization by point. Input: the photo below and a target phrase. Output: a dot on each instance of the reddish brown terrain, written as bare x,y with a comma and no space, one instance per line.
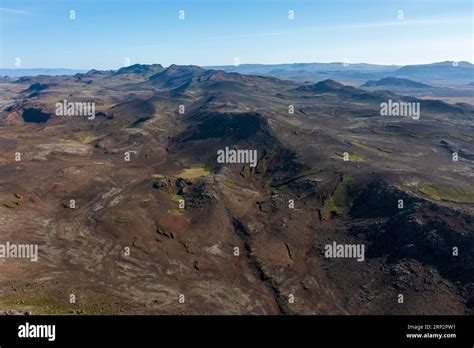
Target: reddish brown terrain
249,240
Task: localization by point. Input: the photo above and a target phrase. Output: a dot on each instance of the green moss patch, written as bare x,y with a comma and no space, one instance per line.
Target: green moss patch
444,193
353,157
338,203
194,172
230,184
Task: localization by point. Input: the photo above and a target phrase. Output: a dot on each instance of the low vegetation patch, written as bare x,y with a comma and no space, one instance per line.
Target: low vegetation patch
339,202
354,157
444,193
230,184
194,172
381,149
51,305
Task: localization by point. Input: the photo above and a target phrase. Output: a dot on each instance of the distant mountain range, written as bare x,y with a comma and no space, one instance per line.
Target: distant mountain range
395,82
448,72
443,73
402,86
460,72
39,71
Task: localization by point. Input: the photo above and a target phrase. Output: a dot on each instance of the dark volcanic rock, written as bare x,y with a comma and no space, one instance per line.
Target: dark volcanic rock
36,87
380,200
35,116
428,234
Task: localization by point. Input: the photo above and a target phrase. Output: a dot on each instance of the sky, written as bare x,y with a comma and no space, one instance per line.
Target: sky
109,34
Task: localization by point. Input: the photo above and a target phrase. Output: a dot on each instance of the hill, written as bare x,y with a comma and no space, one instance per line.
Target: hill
395,82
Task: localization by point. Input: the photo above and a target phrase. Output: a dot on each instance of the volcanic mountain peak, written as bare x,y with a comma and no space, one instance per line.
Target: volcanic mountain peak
176,75
140,69
329,84
395,81
217,75
174,69
94,72
323,87
221,76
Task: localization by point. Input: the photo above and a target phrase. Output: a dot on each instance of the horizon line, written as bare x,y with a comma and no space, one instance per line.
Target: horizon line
236,66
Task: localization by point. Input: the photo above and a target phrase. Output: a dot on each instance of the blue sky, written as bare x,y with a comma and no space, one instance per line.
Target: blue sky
214,32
